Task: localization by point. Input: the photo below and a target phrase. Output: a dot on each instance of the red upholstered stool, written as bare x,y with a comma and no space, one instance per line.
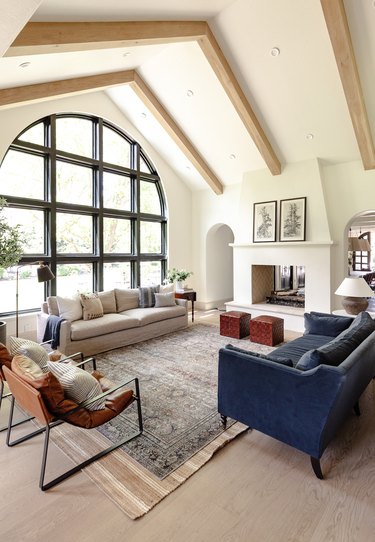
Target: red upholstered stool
267,330
235,324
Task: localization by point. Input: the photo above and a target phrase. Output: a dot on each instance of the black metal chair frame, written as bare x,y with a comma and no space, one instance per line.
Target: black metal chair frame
82,364
60,420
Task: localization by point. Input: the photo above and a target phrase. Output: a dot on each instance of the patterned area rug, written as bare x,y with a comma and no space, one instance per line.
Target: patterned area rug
182,429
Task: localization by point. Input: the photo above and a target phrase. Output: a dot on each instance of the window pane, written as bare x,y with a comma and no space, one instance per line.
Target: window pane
34,134
150,202
30,291
150,273
74,135
150,237
22,175
143,166
32,223
116,191
116,275
74,278
117,236
74,234
73,183
116,149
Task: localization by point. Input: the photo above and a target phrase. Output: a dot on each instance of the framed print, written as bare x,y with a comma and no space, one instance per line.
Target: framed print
264,225
293,219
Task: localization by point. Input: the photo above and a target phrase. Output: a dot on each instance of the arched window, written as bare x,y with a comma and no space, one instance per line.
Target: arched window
92,205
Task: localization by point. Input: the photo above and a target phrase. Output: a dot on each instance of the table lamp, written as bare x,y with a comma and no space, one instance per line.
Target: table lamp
355,291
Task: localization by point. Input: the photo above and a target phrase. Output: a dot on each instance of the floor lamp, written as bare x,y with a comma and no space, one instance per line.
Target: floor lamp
44,274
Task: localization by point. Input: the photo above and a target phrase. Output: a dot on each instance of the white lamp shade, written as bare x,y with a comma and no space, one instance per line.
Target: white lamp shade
354,287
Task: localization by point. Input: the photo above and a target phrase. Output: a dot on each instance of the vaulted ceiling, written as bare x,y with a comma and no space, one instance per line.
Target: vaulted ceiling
217,87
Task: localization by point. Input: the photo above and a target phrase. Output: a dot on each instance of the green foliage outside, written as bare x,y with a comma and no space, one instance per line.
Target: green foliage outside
12,240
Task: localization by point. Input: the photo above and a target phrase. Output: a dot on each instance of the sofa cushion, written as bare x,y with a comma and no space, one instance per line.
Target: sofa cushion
69,308
78,384
325,324
52,305
154,314
108,300
109,323
31,349
126,299
295,349
165,300
361,327
91,305
270,356
147,296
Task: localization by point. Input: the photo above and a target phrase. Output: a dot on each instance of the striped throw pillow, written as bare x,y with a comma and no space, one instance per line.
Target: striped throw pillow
78,385
147,296
31,349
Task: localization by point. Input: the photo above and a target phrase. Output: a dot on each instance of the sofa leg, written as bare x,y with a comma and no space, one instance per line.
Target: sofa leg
223,420
356,409
316,467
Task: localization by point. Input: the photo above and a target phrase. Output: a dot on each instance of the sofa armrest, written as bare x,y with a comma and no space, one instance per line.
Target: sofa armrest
182,302
280,401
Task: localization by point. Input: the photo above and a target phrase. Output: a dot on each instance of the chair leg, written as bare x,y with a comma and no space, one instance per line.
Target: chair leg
223,420
316,467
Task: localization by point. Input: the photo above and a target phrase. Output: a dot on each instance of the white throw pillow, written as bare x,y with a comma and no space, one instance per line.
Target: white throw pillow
92,306
165,300
78,385
31,349
126,299
70,308
166,288
108,301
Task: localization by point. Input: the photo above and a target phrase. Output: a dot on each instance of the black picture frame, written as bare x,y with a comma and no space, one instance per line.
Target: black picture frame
265,222
292,220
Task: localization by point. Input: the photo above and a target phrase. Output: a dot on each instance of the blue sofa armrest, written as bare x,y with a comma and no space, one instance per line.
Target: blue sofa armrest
280,401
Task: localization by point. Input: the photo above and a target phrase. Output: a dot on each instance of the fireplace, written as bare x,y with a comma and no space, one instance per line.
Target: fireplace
278,285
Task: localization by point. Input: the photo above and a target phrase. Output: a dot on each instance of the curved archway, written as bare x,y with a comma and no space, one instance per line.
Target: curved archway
219,265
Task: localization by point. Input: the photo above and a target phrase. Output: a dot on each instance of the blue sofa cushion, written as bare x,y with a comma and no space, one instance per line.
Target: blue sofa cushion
318,323
295,349
339,348
271,356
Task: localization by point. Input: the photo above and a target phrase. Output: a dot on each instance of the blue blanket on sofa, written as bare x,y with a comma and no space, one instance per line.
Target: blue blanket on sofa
52,331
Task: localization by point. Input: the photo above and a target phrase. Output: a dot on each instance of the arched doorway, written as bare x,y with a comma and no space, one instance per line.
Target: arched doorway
219,268
361,243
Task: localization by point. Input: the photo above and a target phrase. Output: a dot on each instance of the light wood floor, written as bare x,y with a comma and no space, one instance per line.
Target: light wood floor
254,490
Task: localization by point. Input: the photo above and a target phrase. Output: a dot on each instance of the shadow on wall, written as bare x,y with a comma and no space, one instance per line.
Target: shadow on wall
219,266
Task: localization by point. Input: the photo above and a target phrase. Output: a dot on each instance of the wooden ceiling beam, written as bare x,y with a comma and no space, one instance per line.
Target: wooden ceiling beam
339,33
41,38
167,122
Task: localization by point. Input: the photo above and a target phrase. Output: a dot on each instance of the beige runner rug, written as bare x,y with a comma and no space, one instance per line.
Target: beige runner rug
127,483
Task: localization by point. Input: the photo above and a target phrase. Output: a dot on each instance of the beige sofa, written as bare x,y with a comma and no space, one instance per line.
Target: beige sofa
122,323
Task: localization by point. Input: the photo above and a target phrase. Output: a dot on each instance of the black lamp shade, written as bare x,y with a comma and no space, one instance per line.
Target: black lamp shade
44,273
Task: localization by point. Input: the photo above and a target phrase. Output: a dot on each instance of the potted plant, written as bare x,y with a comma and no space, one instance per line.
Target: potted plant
11,248
178,276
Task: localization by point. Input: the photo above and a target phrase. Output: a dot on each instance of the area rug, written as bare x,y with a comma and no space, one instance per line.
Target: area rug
182,429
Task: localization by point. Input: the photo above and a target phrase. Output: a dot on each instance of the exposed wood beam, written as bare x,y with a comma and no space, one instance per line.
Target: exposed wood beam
53,89
339,33
40,38
224,73
163,117
44,91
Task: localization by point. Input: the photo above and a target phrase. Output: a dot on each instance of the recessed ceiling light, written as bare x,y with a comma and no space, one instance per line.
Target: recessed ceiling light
188,167
24,65
127,53
310,136
275,51
189,93
232,156
143,114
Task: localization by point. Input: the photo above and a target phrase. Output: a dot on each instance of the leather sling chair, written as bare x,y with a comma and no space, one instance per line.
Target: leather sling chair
43,398
6,360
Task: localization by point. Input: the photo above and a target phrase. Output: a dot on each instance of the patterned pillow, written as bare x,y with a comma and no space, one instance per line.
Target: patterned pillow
78,384
69,308
30,349
92,306
147,296
165,300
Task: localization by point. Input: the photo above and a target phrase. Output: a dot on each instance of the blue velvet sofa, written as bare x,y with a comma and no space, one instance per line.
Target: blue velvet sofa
304,390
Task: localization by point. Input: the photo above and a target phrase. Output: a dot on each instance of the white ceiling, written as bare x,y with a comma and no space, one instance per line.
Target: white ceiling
294,94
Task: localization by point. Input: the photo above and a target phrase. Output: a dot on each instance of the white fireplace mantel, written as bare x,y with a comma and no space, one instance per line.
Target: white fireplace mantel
285,244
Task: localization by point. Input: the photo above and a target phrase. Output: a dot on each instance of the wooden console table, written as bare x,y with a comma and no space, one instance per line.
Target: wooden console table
190,295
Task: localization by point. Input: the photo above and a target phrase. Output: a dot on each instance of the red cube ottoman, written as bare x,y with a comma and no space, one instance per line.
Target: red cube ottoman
235,324
267,330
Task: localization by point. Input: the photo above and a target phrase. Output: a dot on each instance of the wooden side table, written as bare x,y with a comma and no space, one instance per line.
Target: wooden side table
190,295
